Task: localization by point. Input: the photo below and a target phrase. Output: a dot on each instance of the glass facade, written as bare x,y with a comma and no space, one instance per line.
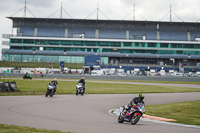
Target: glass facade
107,46
43,58
99,46
104,60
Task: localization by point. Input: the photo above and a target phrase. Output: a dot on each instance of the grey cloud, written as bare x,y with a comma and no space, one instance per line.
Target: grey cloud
10,7
42,3
156,9
114,9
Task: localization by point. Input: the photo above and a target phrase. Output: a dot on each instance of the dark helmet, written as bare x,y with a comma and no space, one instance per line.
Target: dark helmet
141,96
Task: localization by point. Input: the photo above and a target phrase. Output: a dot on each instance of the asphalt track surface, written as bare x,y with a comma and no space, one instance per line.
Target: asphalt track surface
86,114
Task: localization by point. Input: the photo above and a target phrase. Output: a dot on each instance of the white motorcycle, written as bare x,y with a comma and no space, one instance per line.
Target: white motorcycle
80,89
51,90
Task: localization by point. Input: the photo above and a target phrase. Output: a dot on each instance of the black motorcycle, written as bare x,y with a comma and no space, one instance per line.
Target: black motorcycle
80,89
132,115
27,76
51,88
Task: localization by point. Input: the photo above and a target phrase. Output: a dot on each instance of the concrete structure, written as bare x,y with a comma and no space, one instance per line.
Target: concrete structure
119,43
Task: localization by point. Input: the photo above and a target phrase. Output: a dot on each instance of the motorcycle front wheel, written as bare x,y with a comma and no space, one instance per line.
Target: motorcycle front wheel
120,119
135,119
52,92
47,93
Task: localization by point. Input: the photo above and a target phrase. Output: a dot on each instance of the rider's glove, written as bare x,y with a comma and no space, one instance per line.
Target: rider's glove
126,107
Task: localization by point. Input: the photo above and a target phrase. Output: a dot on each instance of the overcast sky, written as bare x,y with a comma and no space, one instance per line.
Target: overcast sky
151,10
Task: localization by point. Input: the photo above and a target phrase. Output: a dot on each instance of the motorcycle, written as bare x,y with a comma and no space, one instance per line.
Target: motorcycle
132,115
51,90
80,89
27,76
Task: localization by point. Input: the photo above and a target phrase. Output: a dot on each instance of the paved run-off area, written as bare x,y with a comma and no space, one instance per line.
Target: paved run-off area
86,114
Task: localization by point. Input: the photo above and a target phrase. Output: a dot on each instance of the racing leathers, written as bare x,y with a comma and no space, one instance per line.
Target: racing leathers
83,82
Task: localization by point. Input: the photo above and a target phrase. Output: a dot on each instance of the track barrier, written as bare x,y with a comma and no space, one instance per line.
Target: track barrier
8,86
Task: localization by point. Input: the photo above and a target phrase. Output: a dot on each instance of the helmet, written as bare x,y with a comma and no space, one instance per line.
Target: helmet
141,96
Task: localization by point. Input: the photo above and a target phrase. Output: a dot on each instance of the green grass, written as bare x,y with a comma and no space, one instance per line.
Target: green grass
186,112
19,129
146,81
110,88
168,82
31,87
39,64
141,81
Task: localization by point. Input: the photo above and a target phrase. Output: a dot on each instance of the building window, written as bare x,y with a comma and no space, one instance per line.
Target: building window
188,45
137,44
28,41
103,44
179,52
151,44
164,45
90,43
66,42
16,40
104,60
142,44
127,44
197,46
114,44
176,46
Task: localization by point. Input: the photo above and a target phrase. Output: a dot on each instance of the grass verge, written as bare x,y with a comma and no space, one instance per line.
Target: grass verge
168,82
132,81
184,112
32,87
19,129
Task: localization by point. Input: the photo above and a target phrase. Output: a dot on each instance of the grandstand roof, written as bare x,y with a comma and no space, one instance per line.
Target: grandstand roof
19,21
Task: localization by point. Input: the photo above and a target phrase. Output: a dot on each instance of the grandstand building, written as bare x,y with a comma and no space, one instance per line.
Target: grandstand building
119,43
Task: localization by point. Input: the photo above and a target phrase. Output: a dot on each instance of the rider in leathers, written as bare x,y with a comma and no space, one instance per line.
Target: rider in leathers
134,102
55,83
82,80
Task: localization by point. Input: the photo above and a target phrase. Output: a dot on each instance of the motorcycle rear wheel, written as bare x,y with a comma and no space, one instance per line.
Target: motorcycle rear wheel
135,119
